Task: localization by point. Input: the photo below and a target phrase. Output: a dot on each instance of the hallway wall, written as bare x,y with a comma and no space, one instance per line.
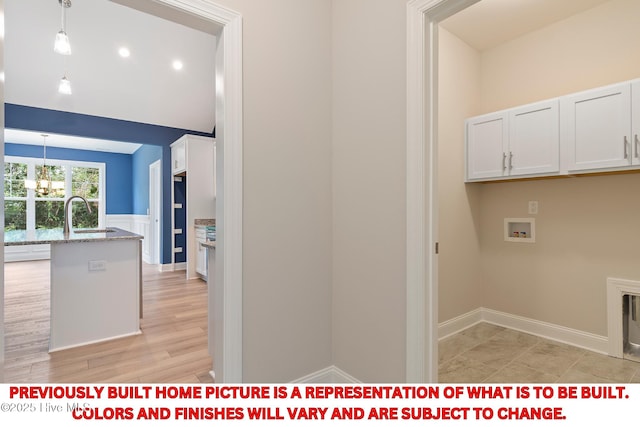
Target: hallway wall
369,175
287,187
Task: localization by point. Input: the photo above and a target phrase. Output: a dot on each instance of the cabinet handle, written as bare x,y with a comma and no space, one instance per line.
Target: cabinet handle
626,142
635,143
504,161
510,160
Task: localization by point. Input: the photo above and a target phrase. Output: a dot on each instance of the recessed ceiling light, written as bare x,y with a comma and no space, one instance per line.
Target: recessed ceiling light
177,65
124,52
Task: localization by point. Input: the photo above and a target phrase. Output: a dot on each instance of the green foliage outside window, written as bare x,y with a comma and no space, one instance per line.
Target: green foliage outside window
14,176
81,216
85,182
49,209
15,215
49,213
15,211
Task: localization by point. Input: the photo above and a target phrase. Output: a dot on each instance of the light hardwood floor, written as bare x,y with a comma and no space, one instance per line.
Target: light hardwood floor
171,349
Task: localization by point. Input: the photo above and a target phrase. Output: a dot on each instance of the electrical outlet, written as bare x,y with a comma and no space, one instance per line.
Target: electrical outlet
97,265
533,207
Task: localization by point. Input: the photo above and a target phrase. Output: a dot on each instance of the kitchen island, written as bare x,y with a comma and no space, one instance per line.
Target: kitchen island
96,283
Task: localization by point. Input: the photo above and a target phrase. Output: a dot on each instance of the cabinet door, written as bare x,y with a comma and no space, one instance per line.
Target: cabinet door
178,157
486,146
635,122
599,127
201,262
534,139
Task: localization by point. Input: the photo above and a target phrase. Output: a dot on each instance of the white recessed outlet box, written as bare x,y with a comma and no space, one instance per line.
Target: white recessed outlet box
520,230
97,265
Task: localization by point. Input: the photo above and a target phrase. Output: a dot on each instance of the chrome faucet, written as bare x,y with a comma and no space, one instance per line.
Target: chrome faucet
67,216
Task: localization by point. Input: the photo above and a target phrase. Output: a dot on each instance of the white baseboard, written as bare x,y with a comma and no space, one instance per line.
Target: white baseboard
330,375
165,267
460,323
177,266
586,340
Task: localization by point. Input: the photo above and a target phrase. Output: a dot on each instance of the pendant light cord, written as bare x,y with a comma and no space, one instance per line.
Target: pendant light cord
44,144
64,5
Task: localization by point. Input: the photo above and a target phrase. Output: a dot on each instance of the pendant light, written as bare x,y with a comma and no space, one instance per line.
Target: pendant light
62,45
43,184
64,87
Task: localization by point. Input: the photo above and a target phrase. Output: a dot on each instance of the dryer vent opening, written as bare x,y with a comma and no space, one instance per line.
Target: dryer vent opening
631,326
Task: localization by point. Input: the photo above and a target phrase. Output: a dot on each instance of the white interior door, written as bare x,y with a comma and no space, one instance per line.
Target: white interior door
155,211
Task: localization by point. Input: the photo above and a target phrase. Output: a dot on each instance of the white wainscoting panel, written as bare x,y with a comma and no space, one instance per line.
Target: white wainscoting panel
138,224
26,253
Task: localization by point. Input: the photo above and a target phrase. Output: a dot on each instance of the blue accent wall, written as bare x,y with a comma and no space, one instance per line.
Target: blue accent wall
141,159
118,171
52,121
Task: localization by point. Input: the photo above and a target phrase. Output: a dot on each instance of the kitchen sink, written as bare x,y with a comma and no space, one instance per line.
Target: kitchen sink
94,230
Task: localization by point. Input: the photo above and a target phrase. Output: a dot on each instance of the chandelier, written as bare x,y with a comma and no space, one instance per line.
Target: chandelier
43,184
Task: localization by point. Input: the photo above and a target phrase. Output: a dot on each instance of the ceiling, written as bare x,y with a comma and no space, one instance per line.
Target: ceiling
142,88
490,23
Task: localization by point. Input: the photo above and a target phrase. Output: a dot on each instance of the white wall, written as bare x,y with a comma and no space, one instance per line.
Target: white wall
459,267
287,187
324,161
369,132
594,48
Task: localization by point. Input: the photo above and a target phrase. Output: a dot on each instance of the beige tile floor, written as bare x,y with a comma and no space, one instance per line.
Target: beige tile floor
486,353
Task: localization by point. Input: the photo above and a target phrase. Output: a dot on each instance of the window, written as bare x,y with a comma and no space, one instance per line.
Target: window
15,194
26,209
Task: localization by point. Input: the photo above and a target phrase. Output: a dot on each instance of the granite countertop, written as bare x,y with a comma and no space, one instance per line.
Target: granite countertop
55,235
209,244
201,222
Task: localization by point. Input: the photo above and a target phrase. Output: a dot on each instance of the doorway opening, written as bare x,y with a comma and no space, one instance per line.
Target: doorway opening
229,135
155,212
422,167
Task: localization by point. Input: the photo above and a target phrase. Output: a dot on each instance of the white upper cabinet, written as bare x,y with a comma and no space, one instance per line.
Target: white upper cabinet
516,142
486,146
596,130
179,157
534,139
599,128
